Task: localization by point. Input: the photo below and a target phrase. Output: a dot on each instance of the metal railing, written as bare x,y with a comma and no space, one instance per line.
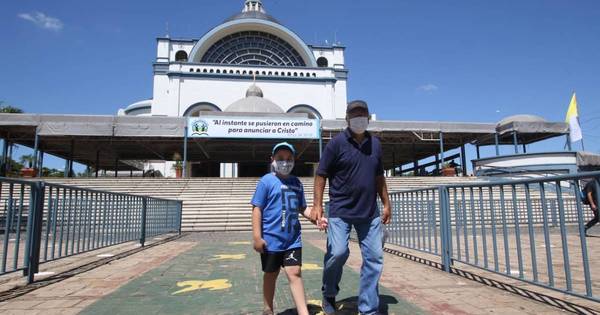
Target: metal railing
43,221
528,229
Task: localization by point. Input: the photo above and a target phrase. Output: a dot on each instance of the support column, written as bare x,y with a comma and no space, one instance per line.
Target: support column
441,165
35,148
66,170
4,164
97,162
394,162
185,144
497,145
515,142
320,140
10,154
116,167
524,148
41,164
569,147
69,162
478,155
415,160
463,159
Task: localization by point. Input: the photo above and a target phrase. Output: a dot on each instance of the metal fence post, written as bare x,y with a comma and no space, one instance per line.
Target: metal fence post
179,215
34,234
143,231
445,227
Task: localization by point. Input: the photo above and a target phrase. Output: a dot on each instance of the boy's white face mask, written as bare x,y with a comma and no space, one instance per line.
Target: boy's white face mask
359,125
283,167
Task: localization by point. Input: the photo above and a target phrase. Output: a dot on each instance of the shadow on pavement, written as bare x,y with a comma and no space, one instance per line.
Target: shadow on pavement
347,306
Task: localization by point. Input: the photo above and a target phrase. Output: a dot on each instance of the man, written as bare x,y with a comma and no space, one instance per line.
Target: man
591,194
352,161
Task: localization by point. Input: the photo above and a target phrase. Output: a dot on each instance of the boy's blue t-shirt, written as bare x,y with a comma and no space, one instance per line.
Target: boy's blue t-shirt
281,200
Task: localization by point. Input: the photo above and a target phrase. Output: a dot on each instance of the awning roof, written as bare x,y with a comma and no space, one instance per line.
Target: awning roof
158,138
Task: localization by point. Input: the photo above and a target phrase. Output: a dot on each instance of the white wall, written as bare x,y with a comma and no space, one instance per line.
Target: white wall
334,55
172,97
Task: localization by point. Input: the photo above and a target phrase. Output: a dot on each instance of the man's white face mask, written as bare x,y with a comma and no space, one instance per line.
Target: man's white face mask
359,125
283,167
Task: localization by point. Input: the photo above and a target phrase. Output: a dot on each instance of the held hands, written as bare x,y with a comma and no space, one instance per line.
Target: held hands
259,245
315,218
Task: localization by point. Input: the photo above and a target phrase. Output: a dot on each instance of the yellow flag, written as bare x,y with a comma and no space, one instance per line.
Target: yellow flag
573,120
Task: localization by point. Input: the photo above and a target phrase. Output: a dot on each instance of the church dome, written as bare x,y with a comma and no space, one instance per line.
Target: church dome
254,90
254,103
253,9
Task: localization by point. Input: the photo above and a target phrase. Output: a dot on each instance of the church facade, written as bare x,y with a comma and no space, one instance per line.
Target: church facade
214,72
250,64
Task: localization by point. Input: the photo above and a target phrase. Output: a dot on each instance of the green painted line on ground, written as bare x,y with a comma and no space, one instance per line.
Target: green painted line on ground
231,285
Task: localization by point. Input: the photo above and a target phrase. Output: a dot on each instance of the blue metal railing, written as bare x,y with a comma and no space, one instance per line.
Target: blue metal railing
528,229
43,221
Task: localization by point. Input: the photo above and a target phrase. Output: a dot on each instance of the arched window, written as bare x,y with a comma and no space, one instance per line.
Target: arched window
253,48
195,109
312,112
181,56
322,62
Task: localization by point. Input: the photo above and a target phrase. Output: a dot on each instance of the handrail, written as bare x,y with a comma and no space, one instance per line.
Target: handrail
64,220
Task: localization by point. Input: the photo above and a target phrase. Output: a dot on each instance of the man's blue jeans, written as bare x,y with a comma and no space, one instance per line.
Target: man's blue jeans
370,237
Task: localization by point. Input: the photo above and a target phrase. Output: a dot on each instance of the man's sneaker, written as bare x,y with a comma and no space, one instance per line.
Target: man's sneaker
328,305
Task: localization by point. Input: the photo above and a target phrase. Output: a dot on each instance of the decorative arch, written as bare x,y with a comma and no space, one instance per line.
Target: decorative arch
181,56
194,109
255,26
253,48
306,109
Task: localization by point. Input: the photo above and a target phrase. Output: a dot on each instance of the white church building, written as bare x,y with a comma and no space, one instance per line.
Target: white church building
250,63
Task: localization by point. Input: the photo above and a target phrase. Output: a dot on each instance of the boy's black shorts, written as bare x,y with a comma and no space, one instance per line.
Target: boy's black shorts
272,261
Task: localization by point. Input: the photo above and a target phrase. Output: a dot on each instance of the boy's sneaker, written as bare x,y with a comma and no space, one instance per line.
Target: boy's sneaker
328,305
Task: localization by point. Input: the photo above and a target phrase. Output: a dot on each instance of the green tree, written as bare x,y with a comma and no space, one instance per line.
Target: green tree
5,108
27,159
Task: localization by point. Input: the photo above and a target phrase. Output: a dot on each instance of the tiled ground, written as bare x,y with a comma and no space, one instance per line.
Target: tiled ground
218,273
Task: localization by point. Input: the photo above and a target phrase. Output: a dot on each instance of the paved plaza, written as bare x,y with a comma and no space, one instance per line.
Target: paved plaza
218,273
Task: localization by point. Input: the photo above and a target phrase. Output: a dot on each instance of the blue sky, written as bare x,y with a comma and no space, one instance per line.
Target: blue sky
411,60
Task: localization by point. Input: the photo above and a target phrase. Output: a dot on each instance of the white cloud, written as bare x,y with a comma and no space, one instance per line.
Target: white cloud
429,87
42,20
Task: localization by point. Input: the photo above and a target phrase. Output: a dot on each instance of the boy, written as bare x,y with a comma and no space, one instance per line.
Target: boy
277,201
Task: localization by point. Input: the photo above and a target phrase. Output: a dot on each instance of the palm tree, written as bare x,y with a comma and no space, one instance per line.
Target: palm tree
27,159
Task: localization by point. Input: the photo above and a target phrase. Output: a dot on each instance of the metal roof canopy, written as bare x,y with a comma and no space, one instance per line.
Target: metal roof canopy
158,138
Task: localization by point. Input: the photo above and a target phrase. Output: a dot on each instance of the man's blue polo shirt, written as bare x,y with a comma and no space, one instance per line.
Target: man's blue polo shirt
352,168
